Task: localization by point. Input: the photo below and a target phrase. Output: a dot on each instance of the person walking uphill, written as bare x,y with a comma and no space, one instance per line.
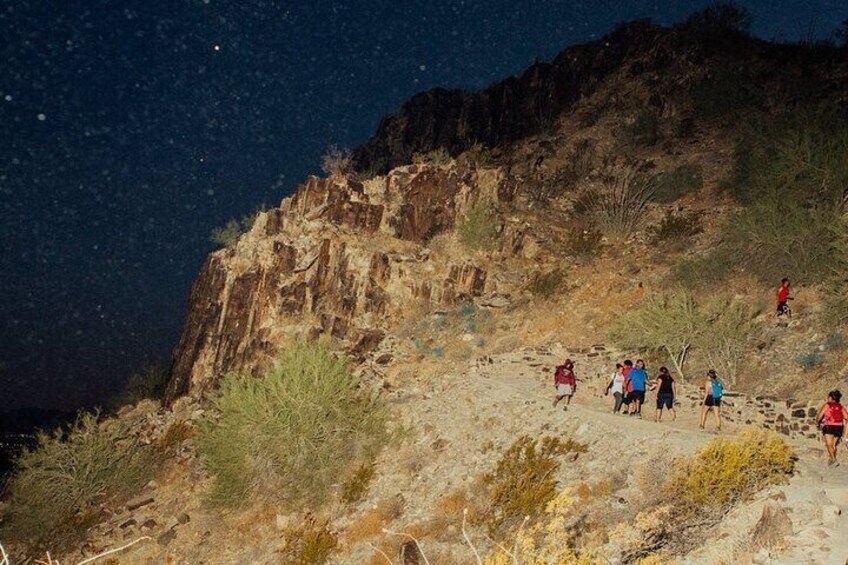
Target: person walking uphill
565,383
617,385
832,417
713,391
783,298
665,394
638,380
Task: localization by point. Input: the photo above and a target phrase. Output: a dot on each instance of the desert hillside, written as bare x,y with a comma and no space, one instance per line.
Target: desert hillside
365,373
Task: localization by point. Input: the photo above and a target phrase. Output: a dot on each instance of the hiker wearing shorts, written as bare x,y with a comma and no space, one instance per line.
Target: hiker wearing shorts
713,391
666,390
565,383
638,381
616,386
783,298
831,418
628,386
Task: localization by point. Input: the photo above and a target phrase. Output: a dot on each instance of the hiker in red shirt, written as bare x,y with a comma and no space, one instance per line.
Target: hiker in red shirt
782,299
831,418
565,383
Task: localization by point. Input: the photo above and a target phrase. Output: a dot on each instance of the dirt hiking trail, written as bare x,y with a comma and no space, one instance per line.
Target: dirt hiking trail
470,417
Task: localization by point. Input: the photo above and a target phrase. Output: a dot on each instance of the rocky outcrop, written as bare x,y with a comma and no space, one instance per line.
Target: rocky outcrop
340,258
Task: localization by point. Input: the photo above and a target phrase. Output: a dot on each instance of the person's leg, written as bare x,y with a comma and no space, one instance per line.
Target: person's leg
704,410
672,411
618,400
568,399
717,412
831,450
658,415
557,398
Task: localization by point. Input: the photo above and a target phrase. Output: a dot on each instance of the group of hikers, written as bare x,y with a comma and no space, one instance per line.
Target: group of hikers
629,383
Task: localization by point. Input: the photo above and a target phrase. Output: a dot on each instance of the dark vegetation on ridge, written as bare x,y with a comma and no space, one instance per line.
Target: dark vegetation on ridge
734,72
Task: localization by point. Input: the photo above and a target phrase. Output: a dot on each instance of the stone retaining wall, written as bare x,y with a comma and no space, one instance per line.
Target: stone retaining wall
795,419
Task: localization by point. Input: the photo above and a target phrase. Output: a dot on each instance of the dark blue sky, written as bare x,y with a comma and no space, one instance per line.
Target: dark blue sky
128,133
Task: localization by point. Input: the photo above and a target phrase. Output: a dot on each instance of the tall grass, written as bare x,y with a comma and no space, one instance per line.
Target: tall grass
289,435
68,482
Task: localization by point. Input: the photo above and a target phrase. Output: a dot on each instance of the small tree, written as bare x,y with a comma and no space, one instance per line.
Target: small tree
671,323
730,325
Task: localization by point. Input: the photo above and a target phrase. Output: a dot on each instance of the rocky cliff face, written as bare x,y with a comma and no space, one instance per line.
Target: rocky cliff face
341,258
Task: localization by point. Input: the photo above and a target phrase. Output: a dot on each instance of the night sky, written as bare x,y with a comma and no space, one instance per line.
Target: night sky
128,133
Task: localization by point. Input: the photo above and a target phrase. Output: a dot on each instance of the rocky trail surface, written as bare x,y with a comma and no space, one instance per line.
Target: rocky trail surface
473,416
459,425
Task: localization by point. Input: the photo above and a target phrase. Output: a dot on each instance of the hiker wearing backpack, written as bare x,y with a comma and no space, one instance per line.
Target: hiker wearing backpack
617,385
831,418
638,381
713,391
565,383
666,392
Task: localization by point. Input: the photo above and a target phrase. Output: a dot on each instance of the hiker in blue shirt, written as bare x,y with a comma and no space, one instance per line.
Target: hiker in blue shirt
638,380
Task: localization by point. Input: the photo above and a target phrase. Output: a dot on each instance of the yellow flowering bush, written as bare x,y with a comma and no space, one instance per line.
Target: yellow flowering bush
544,542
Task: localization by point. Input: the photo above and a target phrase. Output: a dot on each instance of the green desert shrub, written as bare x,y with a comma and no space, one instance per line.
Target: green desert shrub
810,360
676,228
310,543
583,241
836,284
644,130
228,235
547,284
729,470
523,483
676,183
149,382
704,270
479,229
356,486
801,156
438,157
725,94
279,437
70,480
774,238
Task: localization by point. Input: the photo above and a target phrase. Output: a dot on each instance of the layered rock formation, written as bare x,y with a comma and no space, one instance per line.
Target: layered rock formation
340,257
